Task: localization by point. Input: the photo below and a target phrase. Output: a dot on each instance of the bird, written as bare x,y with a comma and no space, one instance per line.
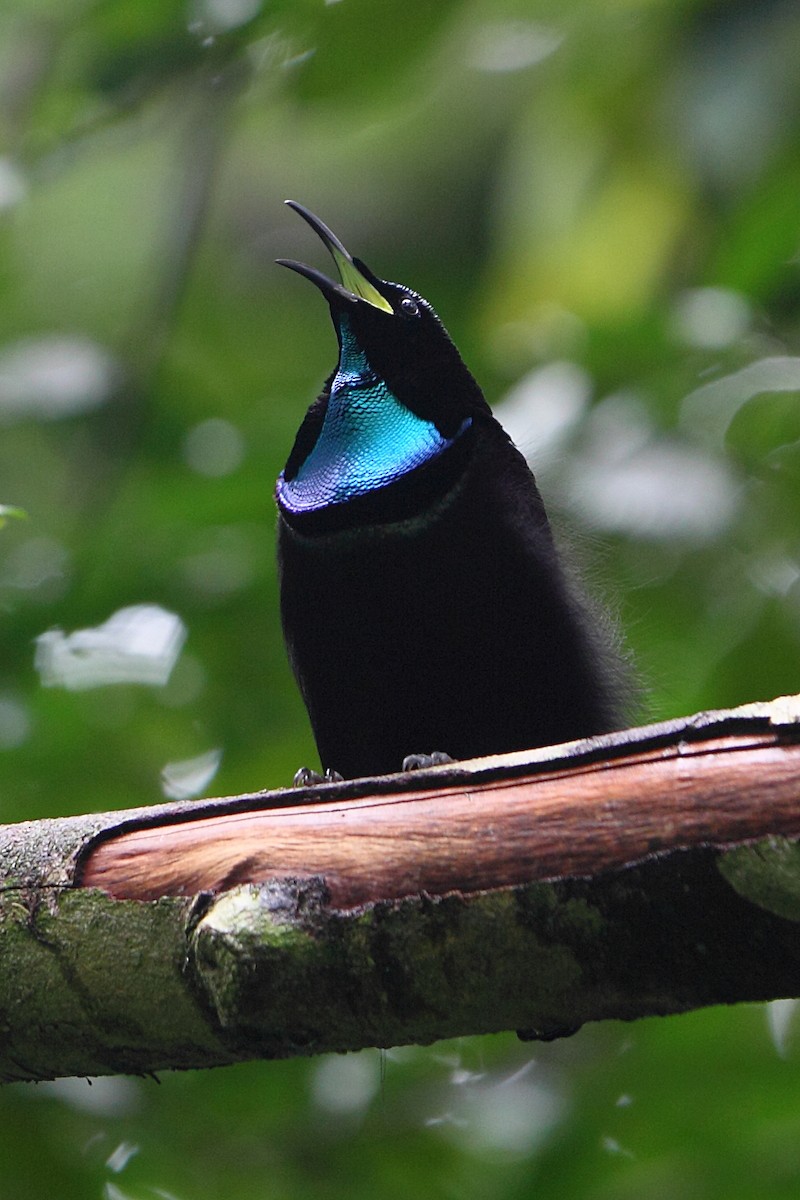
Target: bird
426,611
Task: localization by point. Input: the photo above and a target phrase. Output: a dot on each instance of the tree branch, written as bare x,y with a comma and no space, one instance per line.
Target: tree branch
651,871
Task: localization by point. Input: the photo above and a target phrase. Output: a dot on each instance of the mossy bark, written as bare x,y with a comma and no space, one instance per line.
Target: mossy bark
91,984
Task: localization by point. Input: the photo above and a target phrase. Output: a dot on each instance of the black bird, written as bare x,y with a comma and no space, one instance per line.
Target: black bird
423,603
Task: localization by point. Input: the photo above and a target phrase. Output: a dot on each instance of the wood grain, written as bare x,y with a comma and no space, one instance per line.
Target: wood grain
568,822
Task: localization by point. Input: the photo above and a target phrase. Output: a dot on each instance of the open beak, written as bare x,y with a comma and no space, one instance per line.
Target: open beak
355,284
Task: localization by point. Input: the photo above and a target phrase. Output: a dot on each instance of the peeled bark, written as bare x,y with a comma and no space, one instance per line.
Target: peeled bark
646,872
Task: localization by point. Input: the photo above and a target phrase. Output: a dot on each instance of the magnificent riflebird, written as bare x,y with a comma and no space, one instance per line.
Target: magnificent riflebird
423,602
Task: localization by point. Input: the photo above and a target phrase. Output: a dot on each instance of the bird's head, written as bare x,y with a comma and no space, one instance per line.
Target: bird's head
398,332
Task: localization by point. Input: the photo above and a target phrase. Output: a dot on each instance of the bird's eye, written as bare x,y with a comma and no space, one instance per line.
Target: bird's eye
409,307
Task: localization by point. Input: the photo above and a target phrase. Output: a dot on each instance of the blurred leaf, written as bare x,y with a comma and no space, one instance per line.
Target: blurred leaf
600,192
763,424
9,512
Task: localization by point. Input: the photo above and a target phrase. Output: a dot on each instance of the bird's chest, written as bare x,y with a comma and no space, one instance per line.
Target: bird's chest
390,585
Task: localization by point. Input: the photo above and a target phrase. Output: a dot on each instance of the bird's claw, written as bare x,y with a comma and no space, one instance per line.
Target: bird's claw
419,762
305,777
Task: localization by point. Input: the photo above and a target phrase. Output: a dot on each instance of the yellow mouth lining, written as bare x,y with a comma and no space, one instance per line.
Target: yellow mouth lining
355,282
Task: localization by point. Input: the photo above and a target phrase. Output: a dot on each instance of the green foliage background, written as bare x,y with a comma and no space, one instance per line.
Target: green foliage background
601,199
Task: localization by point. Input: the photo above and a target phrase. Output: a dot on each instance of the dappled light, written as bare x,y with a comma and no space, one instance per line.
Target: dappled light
15,722
219,16
104,1095
711,317
52,377
780,1017
601,202
659,489
709,410
37,565
346,1084
190,777
13,187
494,1114
140,644
512,45
544,407
214,447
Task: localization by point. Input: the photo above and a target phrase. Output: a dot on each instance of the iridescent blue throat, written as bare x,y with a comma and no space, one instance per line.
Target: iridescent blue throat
368,438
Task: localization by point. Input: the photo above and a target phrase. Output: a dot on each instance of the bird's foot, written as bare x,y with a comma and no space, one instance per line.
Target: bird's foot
305,777
419,762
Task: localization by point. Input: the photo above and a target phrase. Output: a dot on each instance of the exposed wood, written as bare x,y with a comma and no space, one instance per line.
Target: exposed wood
574,821
648,872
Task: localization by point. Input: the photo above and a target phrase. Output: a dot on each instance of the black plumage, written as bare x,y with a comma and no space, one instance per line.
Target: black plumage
423,603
